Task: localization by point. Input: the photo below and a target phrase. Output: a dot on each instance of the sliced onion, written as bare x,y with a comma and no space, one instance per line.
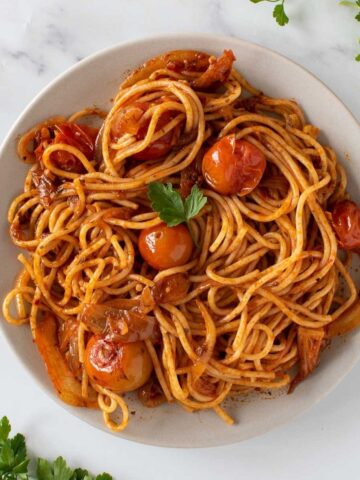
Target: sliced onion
66,385
171,289
217,72
309,343
151,394
98,156
118,324
199,61
349,320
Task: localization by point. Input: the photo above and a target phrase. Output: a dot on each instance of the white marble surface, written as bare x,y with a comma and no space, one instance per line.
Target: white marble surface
38,40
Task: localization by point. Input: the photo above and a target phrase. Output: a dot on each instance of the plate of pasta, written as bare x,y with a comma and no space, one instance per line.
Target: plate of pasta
180,236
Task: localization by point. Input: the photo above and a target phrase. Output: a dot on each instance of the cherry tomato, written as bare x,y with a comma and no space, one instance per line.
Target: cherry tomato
119,367
346,223
67,161
78,136
163,145
129,120
233,166
165,247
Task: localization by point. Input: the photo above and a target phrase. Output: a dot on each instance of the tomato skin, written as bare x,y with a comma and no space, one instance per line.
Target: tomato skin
119,367
81,137
165,247
233,166
346,224
78,136
67,161
130,120
163,145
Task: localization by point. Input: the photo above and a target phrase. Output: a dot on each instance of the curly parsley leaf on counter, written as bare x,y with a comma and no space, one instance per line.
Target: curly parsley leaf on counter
172,209
279,11
14,462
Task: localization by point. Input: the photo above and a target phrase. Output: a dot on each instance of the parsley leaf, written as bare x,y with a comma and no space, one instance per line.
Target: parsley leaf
58,470
81,474
194,202
171,207
14,462
280,15
167,202
356,5
278,12
5,429
347,3
282,19
13,458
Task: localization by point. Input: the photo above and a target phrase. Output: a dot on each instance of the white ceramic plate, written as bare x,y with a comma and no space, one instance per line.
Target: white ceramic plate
94,81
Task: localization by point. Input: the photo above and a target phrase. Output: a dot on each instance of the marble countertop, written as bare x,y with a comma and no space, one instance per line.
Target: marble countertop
40,39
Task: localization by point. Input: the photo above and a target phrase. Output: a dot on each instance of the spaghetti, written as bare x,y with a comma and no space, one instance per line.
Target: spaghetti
246,291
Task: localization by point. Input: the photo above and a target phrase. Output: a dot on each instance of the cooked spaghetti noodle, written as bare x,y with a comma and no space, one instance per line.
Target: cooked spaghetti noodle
257,294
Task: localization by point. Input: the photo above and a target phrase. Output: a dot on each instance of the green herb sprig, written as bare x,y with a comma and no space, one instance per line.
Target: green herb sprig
282,19
279,11
356,5
172,209
14,462
13,457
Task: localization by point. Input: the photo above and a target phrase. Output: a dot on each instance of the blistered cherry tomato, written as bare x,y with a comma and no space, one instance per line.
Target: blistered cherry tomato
81,137
233,166
119,367
161,146
130,120
78,136
346,223
165,247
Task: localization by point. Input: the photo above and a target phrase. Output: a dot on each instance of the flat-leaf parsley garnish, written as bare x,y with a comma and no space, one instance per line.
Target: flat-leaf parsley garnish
172,209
